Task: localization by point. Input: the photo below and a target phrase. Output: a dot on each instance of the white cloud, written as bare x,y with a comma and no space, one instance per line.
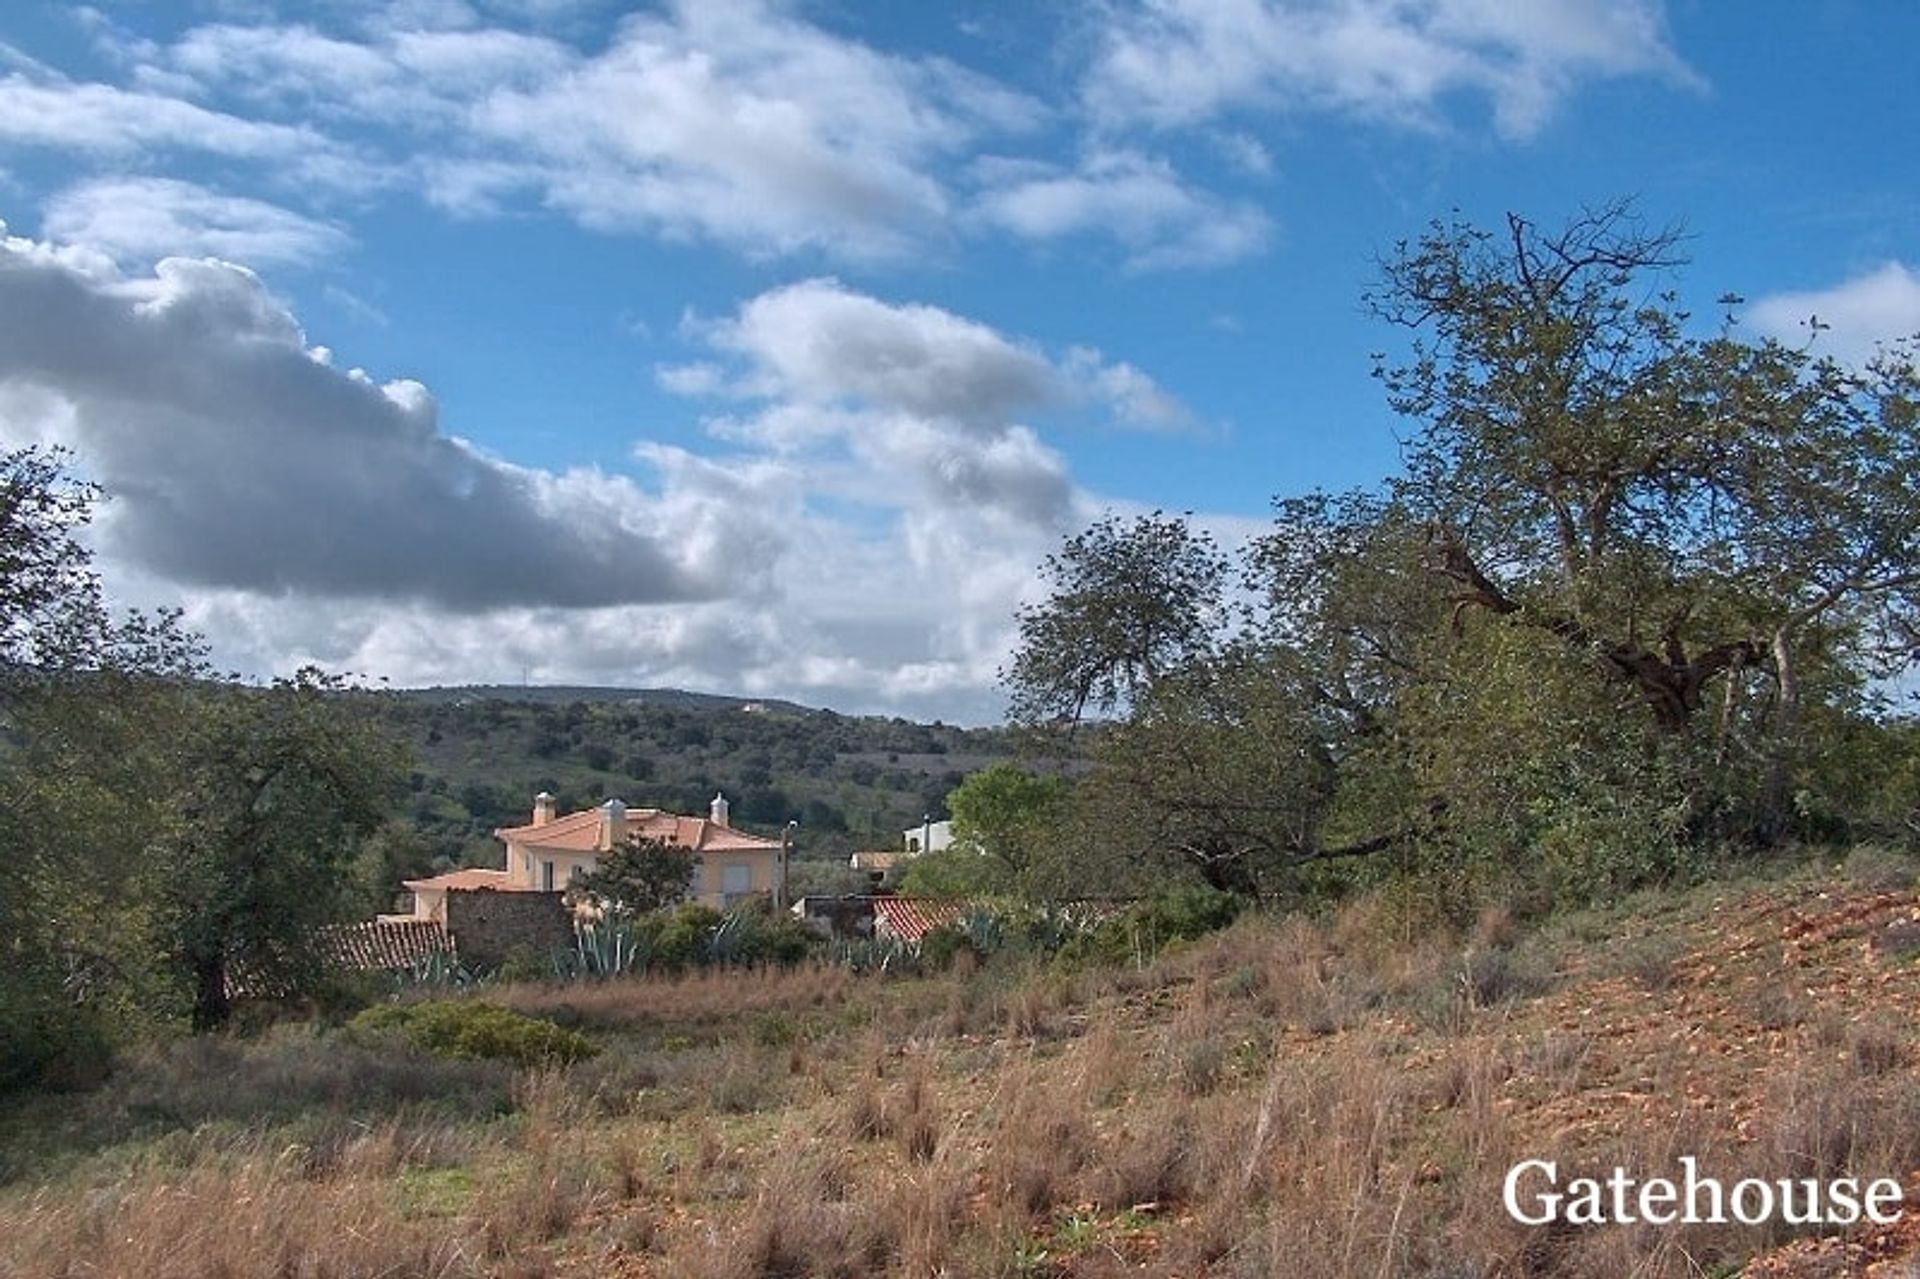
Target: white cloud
239,457
1878,307
1138,200
869,554
144,219
730,121
1182,62
113,122
734,122
820,343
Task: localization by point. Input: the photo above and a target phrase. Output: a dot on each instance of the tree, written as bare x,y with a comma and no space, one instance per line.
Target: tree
642,875
44,570
89,705
1129,603
1623,604
1009,816
1685,512
278,787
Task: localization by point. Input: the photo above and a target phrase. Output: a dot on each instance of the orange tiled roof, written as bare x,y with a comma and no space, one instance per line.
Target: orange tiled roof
472,877
580,833
911,918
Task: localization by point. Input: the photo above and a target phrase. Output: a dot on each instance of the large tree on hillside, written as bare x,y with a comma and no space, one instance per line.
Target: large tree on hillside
1626,597
1682,510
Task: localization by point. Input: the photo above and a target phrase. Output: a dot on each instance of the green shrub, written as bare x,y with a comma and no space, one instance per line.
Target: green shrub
684,937
49,1041
943,945
469,1028
1148,927
524,964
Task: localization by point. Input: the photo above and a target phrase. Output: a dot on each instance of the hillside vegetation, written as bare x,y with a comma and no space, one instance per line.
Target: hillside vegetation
1338,1096
851,781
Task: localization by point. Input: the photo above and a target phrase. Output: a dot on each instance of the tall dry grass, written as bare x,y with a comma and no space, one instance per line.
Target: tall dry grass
1294,1097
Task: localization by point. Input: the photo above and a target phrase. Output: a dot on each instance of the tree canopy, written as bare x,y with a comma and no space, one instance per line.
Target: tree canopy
1624,603
643,874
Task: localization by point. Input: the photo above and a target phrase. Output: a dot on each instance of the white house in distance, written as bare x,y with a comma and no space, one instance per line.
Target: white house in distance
544,855
928,837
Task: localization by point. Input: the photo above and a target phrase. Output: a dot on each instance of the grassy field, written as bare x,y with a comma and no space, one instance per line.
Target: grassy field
1334,1097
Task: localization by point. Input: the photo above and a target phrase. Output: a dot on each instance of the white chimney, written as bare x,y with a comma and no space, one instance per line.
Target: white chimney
613,824
542,808
718,809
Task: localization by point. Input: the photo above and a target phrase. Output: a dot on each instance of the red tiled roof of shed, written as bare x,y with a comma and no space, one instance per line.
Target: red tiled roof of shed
912,918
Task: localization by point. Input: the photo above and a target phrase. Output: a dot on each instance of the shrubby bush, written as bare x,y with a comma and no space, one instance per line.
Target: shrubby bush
469,1028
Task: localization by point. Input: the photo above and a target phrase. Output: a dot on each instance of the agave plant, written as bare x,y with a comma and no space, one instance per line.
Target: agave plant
439,968
610,948
725,945
873,954
984,929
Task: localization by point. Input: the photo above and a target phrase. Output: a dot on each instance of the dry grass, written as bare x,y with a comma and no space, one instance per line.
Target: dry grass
714,996
1291,1098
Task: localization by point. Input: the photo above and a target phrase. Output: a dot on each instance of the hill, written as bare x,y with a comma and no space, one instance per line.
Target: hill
482,753
466,694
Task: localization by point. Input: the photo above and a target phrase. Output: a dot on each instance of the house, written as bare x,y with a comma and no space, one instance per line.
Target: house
881,866
544,855
928,837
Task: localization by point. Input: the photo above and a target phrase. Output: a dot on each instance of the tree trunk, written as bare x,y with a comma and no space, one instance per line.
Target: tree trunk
211,1007
1782,747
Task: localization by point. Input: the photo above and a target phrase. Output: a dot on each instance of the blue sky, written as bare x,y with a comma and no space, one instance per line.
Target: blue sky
767,347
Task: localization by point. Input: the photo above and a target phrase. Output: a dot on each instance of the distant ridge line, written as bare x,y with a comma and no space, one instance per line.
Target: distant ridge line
677,697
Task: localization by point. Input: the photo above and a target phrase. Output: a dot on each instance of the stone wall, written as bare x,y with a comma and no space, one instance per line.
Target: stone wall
487,925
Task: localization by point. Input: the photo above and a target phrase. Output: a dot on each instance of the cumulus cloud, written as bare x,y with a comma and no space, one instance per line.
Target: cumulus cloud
1855,316
1140,201
735,122
730,121
868,554
915,393
239,457
819,342
143,219
1182,62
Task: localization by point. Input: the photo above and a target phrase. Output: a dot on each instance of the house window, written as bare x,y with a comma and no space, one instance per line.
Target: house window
546,877
736,882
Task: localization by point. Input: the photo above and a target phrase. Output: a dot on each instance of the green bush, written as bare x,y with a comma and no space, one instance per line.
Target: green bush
469,1028
943,945
766,939
684,937
1148,927
48,1041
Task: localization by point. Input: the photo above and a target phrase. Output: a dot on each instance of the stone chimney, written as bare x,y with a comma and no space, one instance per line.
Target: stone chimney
542,808
613,824
718,809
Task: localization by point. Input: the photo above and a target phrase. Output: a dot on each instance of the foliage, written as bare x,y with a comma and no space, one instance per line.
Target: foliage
1620,612
1008,815
278,786
1130,602
643,874
1145,928
470,1029
44,572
